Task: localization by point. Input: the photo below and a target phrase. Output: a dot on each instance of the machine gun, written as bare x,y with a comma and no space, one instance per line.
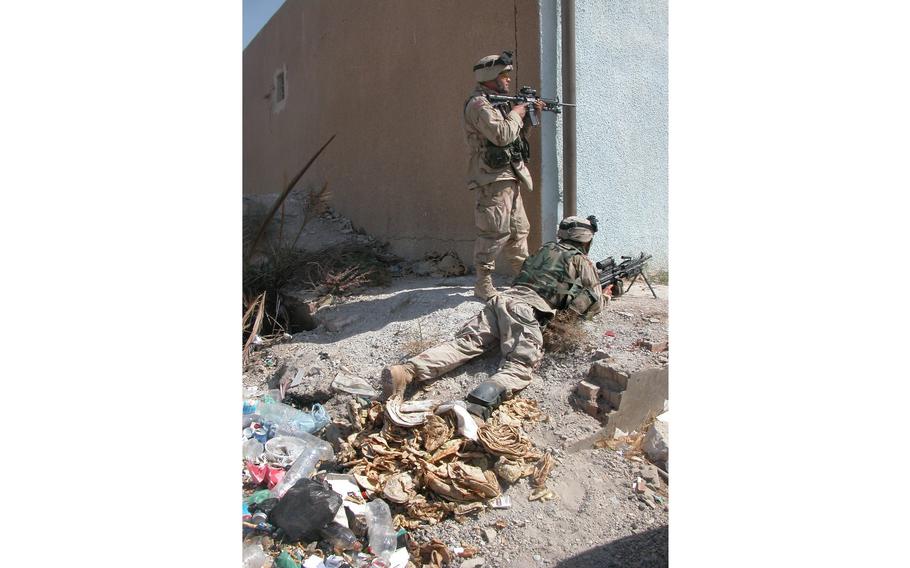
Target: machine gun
527,95
611,273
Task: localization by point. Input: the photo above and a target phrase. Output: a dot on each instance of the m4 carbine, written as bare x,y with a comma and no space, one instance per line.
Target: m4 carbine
529,96
611,273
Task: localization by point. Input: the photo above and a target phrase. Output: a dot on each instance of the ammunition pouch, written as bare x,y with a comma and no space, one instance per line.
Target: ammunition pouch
498,157
521,150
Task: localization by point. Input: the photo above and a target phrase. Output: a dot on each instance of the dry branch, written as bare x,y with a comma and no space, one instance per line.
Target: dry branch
257,326
280,200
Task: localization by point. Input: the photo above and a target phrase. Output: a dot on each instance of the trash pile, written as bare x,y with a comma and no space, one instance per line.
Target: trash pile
403,465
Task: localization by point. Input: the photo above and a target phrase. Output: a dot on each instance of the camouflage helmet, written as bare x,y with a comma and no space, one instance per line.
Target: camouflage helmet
577,229
489,67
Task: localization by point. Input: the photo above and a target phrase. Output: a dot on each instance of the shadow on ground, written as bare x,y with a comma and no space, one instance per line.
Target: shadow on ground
407,301
643,550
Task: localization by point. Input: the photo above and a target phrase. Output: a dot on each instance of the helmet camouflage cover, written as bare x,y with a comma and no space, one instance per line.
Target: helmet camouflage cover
577,229
489,67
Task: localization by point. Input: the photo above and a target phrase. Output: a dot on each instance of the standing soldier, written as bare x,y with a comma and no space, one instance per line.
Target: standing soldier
496,172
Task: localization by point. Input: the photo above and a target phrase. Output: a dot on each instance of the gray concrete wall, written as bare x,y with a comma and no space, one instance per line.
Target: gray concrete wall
621,82
390,78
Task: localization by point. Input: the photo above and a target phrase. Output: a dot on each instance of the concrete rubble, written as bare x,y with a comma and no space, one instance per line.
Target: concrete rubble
657,442
621,399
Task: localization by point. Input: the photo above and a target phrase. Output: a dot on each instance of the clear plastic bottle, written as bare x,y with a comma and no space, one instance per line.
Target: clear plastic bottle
254,556
252,449
290,421
339,536
316,450
383,538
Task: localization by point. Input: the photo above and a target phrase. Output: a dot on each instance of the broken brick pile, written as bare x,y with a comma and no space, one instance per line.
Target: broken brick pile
621,399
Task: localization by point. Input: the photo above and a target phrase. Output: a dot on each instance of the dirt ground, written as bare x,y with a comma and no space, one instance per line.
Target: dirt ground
596,519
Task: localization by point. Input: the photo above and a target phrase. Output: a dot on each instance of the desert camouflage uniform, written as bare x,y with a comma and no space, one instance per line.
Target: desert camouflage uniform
512,321
502,225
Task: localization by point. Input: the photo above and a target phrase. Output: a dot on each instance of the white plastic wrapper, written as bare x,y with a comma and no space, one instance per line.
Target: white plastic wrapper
284,450
466,425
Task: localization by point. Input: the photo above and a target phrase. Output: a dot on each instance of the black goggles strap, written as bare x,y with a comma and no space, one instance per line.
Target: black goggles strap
573,224
504,59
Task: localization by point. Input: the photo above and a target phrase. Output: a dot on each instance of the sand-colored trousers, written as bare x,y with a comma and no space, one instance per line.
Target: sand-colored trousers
502,226
505,321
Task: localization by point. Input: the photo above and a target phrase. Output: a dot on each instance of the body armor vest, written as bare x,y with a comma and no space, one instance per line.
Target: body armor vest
546,273
498,157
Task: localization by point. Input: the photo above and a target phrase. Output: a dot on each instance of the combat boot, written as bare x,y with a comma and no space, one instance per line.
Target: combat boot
395,379
483,288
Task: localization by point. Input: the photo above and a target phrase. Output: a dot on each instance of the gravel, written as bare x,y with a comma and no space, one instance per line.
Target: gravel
596,520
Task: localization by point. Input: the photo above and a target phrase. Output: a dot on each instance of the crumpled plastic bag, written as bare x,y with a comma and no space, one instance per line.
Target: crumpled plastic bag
261,473
306,507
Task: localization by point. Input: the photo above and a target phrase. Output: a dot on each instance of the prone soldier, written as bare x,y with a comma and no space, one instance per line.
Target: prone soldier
559,276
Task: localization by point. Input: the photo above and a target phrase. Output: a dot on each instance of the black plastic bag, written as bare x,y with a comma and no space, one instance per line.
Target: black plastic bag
307,507
264,506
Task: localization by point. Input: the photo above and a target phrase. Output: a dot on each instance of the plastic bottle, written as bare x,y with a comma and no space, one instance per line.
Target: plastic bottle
379,526
339,536
254,556
252,449
290,421
316,450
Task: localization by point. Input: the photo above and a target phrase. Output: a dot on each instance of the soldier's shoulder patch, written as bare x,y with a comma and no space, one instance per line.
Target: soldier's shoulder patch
478,102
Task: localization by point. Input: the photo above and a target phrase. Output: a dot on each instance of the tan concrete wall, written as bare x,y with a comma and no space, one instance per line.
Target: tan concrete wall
390,78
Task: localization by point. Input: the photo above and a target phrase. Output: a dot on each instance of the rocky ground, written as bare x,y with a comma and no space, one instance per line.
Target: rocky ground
596,519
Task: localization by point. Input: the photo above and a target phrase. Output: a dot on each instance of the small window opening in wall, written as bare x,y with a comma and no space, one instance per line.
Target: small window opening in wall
279,87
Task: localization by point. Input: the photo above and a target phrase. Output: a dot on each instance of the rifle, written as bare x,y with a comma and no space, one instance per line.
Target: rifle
527,95
612,273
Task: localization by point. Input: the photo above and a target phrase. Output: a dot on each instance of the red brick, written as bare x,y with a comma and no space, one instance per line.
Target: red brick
655,347
586,391
591,408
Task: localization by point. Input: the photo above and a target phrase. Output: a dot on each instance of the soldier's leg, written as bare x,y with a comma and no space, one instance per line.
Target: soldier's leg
521,343
475,338
492,216
515,250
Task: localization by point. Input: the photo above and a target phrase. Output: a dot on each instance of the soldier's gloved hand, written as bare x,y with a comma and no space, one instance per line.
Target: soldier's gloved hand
539,104
520,110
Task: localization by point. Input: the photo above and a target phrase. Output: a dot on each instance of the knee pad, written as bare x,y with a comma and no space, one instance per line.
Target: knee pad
484,398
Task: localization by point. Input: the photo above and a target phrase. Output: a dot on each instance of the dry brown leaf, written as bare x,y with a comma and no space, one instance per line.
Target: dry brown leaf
398,488
450,448
542,470
356,415
510,471
462,482
504,440
522,409
541,493
430,513
437,431
435,552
